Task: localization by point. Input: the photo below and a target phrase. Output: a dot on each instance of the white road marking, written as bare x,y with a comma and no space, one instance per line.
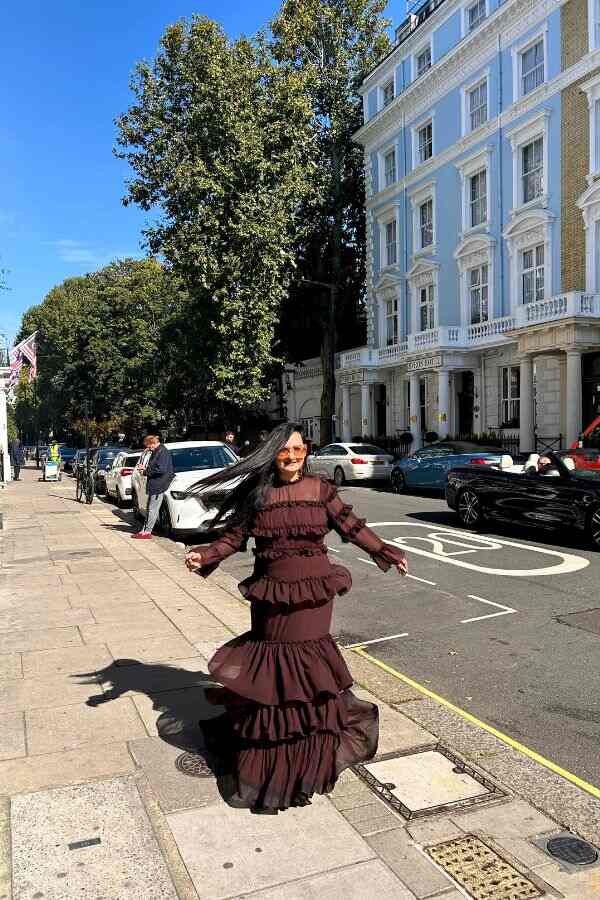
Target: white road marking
369,562
505,610
333,549
424,580
568,561
391,637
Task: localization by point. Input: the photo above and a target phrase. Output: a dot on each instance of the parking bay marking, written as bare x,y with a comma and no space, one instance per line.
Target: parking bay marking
390,637
471,543
504,610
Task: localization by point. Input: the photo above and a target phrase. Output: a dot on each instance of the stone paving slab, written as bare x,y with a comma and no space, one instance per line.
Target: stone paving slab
38,620
513,819
127,863
66,660
152,648
36,693
35,773
12,735
409,863
369,879
173,790
38,639
71,727
11,665
175,711
149,623
242,852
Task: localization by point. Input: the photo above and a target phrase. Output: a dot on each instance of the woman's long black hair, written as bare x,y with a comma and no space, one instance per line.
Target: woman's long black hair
253,474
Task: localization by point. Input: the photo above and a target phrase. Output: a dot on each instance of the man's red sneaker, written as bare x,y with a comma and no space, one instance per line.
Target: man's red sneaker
142,536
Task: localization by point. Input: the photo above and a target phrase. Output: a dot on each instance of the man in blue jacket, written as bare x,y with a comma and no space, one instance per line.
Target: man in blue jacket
159,475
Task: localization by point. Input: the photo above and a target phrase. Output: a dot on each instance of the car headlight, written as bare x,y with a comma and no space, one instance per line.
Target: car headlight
178,495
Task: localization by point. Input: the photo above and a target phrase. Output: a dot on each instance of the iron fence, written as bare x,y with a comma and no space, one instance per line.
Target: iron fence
548,444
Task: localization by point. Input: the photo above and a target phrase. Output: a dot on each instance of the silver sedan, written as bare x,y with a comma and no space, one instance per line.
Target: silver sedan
351,462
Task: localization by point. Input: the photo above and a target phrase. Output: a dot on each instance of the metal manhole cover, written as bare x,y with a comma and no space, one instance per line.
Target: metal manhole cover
194,765
482,872
426,781
572,850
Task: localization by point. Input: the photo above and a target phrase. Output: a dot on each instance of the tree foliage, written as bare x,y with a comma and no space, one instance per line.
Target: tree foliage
333,44
219,142
103,347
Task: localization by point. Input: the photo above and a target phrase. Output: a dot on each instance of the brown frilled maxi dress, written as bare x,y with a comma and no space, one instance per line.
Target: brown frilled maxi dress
294,722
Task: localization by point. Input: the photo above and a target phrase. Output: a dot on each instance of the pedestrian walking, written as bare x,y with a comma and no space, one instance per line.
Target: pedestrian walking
292,723
17,457
159,475
230,441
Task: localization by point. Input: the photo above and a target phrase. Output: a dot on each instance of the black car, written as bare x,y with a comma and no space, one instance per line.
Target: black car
561,498
101,461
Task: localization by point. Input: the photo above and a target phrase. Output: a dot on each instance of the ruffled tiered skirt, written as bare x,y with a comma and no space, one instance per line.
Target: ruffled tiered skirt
295,723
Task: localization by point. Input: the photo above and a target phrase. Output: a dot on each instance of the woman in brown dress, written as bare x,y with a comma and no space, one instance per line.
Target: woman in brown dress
294,720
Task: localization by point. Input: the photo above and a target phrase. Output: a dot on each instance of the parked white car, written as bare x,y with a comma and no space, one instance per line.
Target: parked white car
351,462
192,460
118,477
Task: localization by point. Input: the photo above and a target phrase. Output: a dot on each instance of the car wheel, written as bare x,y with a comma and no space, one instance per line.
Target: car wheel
468,508
594,528
164,519
398,482
339,477
137,513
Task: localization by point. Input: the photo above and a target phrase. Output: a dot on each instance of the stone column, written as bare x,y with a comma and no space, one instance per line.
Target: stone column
346,414
526,438
415,410
573,398
365,410
443,403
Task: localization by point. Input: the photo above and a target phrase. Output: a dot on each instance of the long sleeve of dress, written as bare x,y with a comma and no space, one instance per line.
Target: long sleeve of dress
230,542
350,528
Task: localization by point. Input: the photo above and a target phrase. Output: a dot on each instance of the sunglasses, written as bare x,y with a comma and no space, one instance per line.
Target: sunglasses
298,452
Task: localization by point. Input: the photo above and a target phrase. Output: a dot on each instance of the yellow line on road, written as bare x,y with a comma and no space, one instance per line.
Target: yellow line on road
516,745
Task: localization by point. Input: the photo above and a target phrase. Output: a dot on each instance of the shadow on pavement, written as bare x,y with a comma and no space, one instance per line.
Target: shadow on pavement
190,707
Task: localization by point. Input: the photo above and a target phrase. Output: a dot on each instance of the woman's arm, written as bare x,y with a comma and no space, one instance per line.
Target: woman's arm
205,559
350,528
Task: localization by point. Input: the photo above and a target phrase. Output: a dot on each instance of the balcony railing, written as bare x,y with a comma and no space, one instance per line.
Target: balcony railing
562,306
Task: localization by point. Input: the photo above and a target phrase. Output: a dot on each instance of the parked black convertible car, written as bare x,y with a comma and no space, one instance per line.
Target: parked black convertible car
569,499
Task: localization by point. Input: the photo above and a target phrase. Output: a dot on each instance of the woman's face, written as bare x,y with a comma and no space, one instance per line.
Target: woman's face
290,459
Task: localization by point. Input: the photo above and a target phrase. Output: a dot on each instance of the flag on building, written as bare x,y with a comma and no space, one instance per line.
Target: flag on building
24,352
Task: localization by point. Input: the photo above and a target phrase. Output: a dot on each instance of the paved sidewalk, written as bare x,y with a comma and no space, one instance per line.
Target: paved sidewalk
93,800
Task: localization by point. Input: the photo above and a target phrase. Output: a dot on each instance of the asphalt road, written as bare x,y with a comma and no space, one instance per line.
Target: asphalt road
504,623
528,665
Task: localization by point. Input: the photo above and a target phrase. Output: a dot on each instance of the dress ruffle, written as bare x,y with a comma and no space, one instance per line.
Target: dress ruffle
305,592
272,673
273,772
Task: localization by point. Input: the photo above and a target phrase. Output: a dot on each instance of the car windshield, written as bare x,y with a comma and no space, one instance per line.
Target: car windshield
189,459
368,450
104,456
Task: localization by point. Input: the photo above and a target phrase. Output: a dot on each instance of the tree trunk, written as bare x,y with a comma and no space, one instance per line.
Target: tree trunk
328,344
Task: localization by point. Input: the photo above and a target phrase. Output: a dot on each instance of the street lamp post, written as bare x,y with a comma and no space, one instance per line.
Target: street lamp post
328,342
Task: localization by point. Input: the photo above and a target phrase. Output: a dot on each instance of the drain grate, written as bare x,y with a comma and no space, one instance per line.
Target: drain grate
194,765
482,872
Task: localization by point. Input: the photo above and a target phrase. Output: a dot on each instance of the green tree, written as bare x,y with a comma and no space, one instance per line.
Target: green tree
219,143
332,44
103,347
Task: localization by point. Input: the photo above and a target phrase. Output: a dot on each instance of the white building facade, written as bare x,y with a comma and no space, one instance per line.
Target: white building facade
482,153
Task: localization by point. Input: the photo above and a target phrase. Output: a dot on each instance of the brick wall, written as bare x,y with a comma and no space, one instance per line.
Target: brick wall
574,147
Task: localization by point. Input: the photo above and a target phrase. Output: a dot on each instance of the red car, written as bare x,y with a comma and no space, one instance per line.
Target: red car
588,455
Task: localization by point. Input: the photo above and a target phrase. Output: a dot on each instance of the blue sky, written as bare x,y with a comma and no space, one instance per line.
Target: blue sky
65,69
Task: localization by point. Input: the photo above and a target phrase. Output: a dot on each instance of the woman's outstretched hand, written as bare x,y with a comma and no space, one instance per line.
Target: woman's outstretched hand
402,567
193,559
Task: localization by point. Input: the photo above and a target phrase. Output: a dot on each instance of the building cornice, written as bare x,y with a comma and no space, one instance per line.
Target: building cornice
471,54
583,67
